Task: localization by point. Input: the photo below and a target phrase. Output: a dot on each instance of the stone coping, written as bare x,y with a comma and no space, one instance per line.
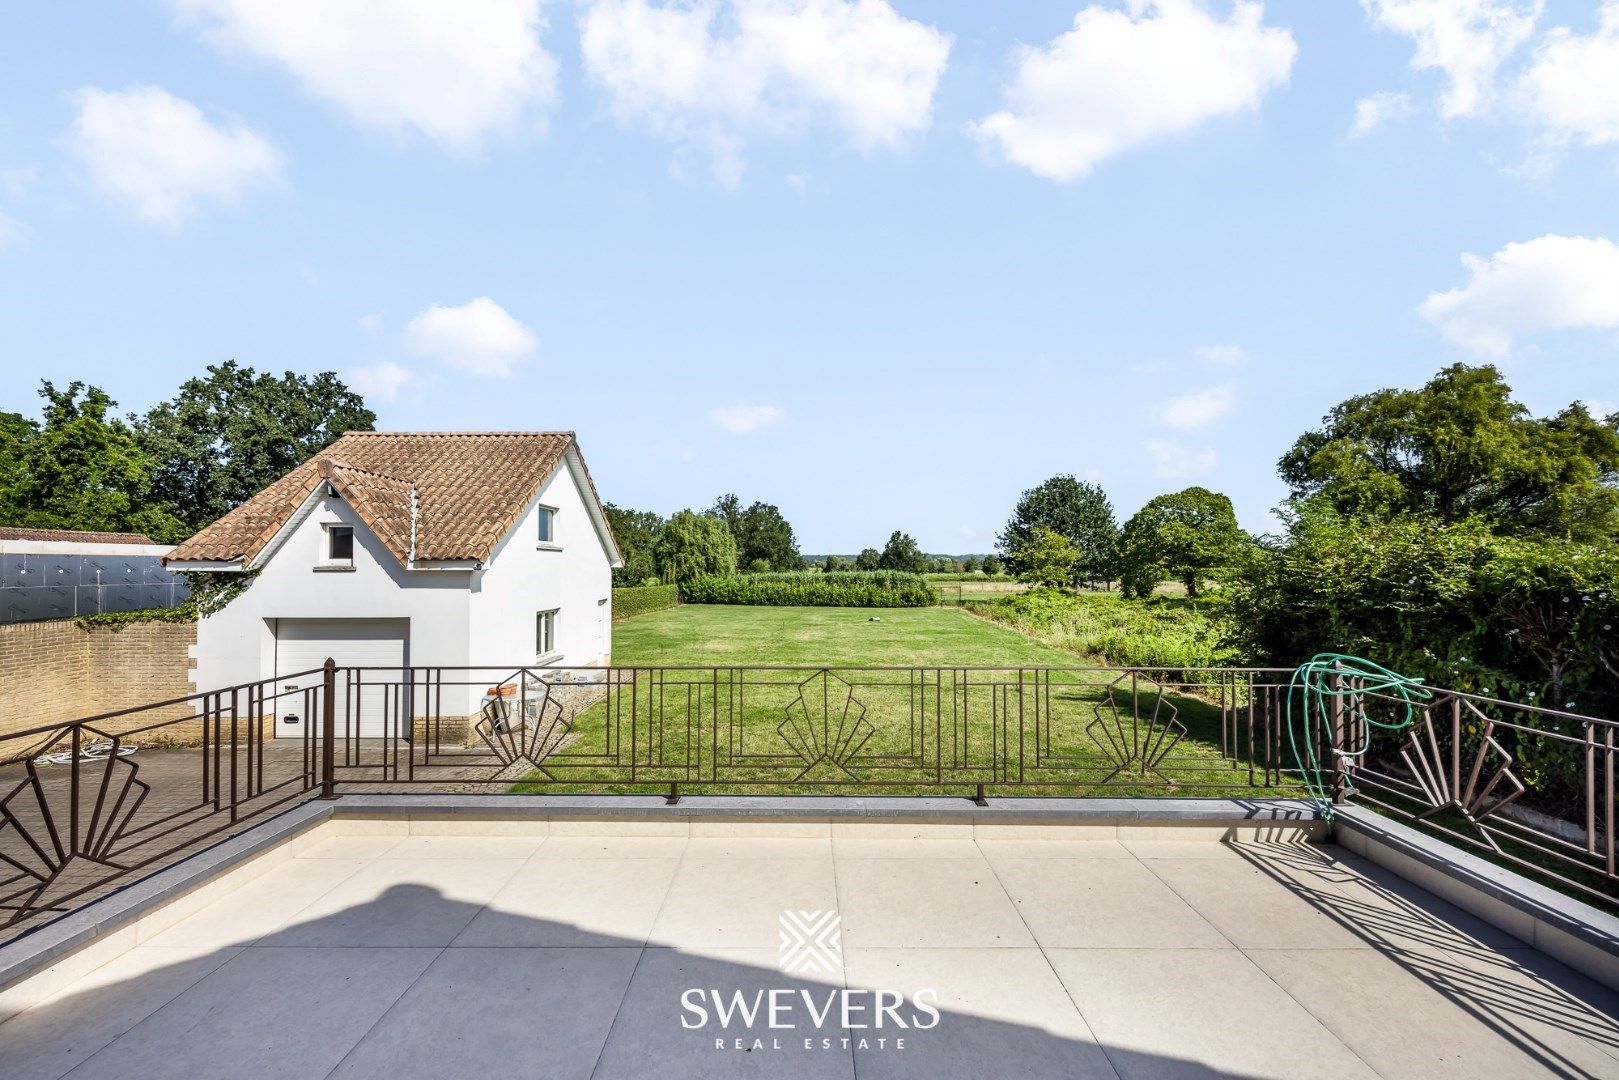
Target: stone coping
1582,936
901,808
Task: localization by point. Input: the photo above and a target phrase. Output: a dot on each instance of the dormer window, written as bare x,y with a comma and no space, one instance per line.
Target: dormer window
339,554
545,533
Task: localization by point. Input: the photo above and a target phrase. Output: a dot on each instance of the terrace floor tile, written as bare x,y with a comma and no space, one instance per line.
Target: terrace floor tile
1165,1013
1103,903
574,902
927,903
494,1012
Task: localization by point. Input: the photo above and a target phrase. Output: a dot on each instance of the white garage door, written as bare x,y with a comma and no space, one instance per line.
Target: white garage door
365,701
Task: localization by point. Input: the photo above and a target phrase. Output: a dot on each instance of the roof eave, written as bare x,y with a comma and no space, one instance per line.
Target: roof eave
210,565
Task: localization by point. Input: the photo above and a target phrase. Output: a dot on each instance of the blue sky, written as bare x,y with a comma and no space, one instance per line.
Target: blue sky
883,264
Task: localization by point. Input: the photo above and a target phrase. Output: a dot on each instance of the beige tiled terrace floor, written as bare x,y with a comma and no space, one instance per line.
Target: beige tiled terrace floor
567,956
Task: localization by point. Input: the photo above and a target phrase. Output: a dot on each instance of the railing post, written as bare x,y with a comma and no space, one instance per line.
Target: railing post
1339,739
328,731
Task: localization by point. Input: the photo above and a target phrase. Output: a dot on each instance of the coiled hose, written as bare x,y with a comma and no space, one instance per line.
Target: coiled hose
1319,681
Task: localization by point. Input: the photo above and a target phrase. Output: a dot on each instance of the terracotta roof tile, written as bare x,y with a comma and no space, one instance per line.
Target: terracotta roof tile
470,488
74,536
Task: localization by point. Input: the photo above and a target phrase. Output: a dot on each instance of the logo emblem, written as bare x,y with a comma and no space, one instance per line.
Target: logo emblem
811,942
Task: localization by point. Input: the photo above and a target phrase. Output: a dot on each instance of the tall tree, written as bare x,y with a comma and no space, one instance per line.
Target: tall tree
691,545
79,469
1460,447
228,434
15,432
1071,508
761,533
636,532
868,559
1188,536
901,553
728,508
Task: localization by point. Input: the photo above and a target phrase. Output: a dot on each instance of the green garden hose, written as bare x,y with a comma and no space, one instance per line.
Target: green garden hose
1318,682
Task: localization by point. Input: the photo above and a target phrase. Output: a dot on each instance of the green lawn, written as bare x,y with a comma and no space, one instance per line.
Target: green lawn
706,634
696,709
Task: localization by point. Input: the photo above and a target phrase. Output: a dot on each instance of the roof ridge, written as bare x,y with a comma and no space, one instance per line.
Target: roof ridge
458,434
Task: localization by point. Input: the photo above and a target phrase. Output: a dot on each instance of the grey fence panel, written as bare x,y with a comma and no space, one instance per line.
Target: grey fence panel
35,587
12,575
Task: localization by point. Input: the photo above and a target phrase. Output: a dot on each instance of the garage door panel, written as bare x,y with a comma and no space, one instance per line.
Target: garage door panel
362,706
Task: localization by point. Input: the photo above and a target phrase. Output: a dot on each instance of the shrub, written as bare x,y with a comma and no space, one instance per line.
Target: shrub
645,598
875,588
1163,632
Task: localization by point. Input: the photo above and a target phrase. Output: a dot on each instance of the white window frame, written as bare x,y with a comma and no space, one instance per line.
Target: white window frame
547,514
545,634
327,562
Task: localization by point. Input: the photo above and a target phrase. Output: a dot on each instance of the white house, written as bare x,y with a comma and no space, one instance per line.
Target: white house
412,548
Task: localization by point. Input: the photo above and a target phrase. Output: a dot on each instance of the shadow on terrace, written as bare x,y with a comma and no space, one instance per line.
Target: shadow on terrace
372,991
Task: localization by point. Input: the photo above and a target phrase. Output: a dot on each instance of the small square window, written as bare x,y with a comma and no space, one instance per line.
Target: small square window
547,517
545,632
340,544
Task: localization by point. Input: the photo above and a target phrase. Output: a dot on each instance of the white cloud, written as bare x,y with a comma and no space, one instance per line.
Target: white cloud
1601,409
1172,461
1549,283
456,72
710,74
381,381
1226,355
13,233
371,324
1374,111
1467,40
1195,409
1120,79
478,337
160,156
741,419
1572,86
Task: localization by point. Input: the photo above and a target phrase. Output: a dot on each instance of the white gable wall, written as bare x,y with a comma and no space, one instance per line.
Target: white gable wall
237,645
523,578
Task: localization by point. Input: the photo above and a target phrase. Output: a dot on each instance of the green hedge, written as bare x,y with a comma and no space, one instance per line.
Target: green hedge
644,598
854,588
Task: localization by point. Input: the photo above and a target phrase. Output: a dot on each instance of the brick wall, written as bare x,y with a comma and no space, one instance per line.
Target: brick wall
54,671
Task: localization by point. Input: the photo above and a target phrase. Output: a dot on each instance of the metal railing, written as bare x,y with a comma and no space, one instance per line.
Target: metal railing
1531,787
1528,786
87,804
921,730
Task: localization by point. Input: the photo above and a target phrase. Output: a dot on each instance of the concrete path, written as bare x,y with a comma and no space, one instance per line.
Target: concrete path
618,956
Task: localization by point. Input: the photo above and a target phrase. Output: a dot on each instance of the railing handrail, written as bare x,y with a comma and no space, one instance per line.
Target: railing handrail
187,699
